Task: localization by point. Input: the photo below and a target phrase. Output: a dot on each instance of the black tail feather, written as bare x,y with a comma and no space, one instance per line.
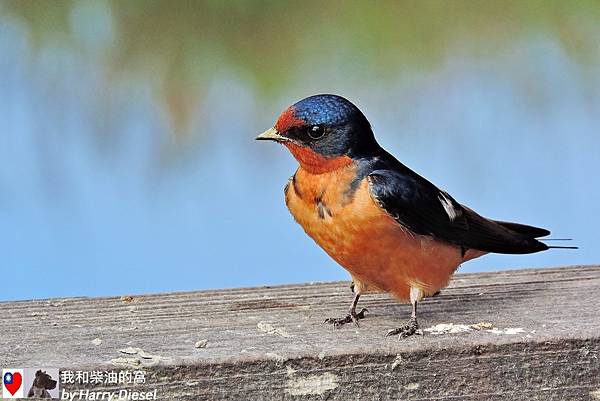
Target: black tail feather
535,232
530,231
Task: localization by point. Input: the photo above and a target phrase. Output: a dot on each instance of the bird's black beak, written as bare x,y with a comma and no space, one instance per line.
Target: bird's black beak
271,135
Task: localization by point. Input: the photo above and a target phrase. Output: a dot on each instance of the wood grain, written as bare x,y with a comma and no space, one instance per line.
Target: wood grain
270,343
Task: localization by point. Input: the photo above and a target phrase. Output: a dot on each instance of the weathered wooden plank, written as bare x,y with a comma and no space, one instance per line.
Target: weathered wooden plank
270,343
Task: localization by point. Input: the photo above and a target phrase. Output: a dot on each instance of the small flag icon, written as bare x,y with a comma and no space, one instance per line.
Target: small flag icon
12,383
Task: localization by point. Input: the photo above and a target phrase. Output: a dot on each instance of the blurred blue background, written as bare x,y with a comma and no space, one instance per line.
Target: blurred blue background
128,160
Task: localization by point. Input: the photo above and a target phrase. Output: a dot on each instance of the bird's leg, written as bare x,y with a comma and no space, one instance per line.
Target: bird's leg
352,315
412,326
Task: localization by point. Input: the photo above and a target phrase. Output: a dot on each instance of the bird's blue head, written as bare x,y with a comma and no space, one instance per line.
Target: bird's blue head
322,130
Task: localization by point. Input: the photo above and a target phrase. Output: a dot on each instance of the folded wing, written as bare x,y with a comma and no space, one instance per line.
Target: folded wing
424,209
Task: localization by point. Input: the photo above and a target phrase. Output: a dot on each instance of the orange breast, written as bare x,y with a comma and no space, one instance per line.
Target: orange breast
363,239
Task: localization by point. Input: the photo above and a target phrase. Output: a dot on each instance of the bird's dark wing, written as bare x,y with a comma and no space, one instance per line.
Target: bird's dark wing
424,209
531,231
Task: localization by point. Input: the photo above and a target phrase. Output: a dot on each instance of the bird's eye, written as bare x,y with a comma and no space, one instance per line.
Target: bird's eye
316,131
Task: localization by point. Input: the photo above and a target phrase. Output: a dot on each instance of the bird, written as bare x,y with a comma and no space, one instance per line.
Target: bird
393,230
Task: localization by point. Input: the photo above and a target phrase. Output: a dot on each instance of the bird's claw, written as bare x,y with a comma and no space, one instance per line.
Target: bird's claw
352,317
408,329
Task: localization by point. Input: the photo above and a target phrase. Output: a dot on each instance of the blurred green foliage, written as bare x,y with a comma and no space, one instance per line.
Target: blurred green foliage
181,44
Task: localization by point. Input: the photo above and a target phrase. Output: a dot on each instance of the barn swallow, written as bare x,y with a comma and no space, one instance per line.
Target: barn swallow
393,230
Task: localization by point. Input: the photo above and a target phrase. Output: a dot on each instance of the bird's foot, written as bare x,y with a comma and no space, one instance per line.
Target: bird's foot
408,329
352,317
